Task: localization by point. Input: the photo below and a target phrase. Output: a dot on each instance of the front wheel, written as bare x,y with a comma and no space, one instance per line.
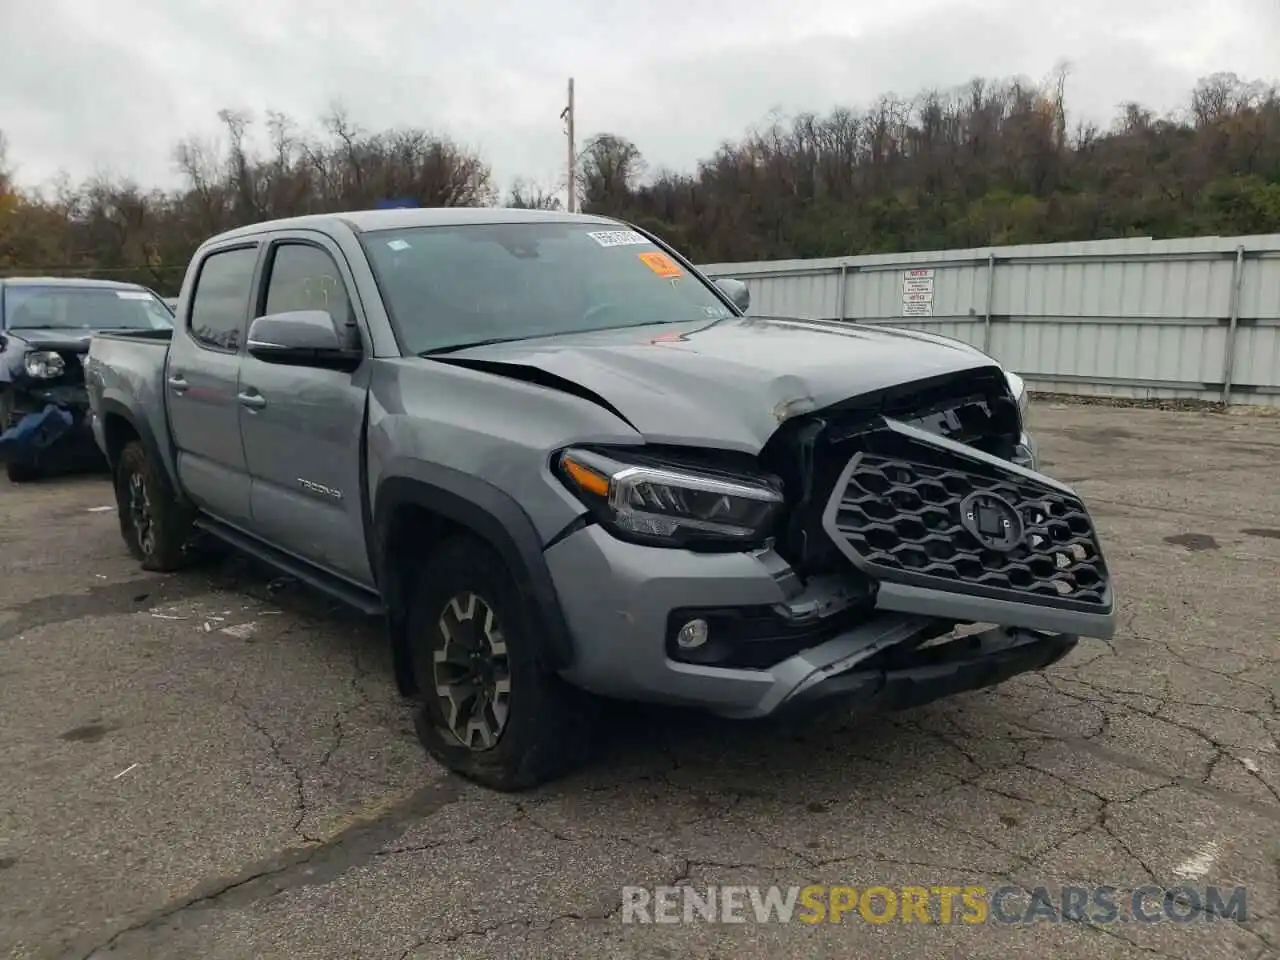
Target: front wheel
154,525
490,711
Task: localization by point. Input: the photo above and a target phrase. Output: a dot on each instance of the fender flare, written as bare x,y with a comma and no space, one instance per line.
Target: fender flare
139,425
497,519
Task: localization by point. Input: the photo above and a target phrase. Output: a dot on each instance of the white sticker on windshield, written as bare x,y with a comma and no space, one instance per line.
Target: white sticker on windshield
133,295
397,245
619,238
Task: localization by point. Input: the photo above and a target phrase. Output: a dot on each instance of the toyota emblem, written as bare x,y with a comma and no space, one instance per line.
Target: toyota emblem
991,520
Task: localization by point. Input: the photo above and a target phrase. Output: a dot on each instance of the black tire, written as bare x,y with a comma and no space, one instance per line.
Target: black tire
548,727
22,472
160,542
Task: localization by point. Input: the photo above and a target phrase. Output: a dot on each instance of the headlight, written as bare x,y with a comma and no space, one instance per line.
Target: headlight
669,505
44,364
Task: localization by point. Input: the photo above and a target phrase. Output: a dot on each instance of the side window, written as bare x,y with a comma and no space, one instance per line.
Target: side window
220,305
304,277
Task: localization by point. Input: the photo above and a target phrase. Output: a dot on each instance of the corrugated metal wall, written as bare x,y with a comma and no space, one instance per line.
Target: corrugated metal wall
1196,318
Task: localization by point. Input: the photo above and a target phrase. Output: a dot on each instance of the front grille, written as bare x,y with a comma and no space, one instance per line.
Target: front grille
896,513
973,407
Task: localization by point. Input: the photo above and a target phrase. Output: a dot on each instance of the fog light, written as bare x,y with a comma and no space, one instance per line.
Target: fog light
692,635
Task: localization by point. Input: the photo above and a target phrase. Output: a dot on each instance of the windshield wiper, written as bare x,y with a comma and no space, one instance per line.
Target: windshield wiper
454,347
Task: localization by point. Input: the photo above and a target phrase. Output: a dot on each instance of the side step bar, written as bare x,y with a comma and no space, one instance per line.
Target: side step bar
366,601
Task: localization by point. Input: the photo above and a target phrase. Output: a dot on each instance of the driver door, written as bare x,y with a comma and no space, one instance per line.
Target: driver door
302,426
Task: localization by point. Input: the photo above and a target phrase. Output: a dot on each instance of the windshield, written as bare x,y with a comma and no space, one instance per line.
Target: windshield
455,285
84,308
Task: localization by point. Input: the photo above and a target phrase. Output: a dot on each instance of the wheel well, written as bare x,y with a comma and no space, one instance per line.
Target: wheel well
413,531
118,433
415,515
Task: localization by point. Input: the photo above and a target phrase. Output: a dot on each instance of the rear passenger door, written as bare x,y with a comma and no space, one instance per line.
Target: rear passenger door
303,433
202,384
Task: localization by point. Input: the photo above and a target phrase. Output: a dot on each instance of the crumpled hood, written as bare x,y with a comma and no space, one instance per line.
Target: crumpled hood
729,383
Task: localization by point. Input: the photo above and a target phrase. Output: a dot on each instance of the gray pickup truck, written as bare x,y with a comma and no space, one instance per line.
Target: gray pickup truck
565,465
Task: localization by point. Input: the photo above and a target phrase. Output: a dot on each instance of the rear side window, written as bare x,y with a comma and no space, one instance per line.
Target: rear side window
304,277
220,305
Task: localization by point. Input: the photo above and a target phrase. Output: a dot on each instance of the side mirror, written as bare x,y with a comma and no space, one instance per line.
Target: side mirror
737,292
304,338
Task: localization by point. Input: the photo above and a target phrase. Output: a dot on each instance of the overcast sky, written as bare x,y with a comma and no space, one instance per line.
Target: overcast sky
107,86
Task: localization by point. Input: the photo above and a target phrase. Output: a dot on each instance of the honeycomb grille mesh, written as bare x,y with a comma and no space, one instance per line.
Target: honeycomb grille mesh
902,520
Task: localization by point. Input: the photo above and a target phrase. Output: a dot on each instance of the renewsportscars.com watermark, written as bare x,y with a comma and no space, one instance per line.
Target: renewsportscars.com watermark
933,905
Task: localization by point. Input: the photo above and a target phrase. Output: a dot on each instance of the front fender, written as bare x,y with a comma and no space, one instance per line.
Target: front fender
490,514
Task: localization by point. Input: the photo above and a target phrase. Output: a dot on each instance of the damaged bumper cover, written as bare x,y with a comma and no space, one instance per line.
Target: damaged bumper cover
906,675
624,603
44,428
34,432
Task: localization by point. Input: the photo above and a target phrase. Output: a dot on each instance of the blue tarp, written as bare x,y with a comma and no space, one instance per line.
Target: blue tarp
34,432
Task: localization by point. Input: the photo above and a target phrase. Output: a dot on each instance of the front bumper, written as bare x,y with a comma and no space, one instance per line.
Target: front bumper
919,676
618,597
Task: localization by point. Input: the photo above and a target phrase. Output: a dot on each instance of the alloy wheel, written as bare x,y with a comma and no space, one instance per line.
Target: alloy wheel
140,514
471,672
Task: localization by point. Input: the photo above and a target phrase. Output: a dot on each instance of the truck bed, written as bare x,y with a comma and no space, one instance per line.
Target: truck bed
125,371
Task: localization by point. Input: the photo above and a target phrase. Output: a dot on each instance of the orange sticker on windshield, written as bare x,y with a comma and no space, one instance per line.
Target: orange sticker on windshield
661,264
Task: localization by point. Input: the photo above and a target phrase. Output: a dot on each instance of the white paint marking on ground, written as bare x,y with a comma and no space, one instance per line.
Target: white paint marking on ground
100,509
1193,868
133,766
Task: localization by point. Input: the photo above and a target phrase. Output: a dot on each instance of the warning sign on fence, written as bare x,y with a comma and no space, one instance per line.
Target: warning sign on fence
917,293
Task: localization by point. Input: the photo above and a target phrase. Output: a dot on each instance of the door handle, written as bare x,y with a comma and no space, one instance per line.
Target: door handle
178,383
254,401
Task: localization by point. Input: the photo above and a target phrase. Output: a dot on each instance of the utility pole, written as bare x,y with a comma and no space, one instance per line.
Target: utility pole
567,115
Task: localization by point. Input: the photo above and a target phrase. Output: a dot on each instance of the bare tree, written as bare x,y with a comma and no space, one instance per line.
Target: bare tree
989,162
530,196
608,168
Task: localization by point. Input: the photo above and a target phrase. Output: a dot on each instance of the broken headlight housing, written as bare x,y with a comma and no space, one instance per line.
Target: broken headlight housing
672,505
1018,387
44,364
1026,454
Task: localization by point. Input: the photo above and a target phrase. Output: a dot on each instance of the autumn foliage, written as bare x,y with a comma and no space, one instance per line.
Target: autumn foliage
988,164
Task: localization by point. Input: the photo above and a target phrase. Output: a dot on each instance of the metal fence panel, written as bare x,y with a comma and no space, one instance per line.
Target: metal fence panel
1195,318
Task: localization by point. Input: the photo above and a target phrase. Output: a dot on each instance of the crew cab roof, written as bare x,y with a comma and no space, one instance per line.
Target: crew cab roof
365,221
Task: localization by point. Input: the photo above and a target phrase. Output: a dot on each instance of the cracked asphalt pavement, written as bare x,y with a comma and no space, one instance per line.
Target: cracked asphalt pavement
215,764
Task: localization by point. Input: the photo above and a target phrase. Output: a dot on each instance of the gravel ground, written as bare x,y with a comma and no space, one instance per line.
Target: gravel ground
216,765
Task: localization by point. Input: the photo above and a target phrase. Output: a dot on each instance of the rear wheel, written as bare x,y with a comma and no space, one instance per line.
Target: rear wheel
154,525
490,710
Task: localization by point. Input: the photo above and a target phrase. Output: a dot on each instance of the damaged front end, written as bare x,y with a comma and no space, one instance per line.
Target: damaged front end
43,409
31,433
920,554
